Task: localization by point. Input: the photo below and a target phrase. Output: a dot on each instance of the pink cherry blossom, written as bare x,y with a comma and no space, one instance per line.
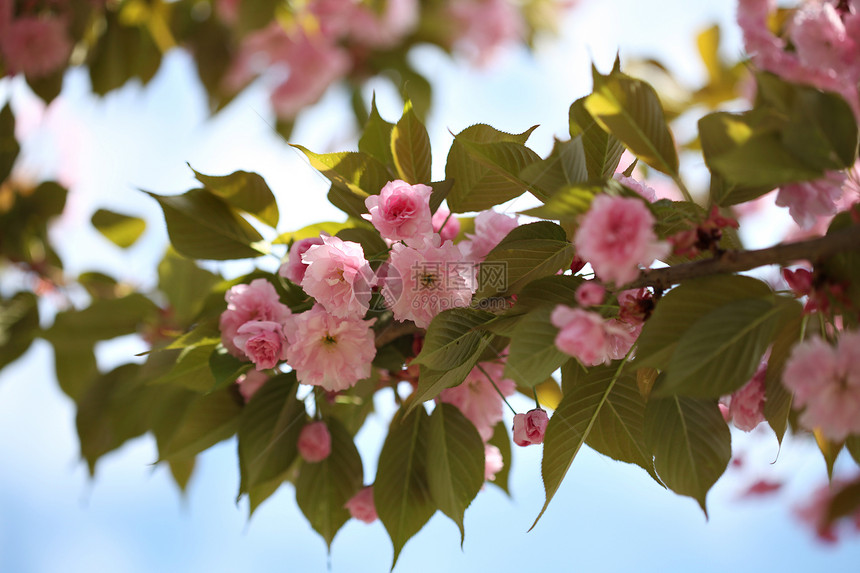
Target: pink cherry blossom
529,428
35,46
478,400
814,512
263,342
640,187
401,212
808,200
294,267
493,462
746,406
314,442
826,383
446,224
484,27
361,506
246,302
490,229
617,235
338,277
398,18
581,334
421,283
590,293
250,382
820,39
330,352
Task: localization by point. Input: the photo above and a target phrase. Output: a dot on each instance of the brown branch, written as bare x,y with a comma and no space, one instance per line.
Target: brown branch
736,261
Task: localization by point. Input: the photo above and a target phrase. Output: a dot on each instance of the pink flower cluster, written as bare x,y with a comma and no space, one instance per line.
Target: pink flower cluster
484,27
401,212
314,442
478,398
490,229
361,506
338,277
616,236
317,49
592,339
825,36
33,44
825,381
253,325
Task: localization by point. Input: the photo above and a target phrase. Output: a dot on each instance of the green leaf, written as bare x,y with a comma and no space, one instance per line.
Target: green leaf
352,406
845,502
225,367
852,444
120,54
203,226
525,254
820,128
570,426
245,191
432,382
354,172
681,307
207,420
184,284
777,404
19,325
452,337
455,462
104,319
533,355
568,204
255,14
721,351
269,430
75,365
113,410
121,230
323,488
376,138
410,147
691,442
547,292
8,144
502,440
565,166
619,431
182,470
311,231
829,451
191,369
630,110
371,242
401,492
602,150
476,185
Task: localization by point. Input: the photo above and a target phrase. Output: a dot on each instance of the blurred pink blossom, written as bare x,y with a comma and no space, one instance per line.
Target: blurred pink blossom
616,235
401,212
808,200
35,46
746,405
490,229
825,381
361,505
398,18
586,335
314,442
590,293
338,277
640,187
246,302
451,228
493,462
483,27
250,382
478,400
330,352
529,428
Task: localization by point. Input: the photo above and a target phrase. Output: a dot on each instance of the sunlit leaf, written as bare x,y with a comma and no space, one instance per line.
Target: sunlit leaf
410,148
245,191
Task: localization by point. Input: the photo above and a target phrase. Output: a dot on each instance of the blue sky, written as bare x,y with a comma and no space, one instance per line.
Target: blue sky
606,516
